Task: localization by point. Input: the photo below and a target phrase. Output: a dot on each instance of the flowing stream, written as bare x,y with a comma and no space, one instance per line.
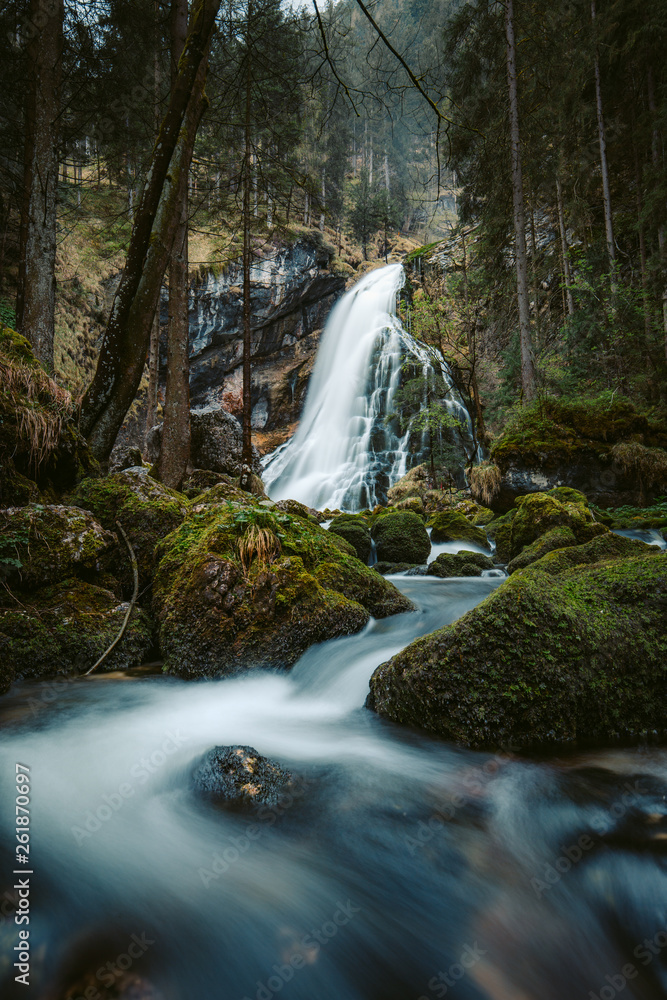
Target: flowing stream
349,448
400,868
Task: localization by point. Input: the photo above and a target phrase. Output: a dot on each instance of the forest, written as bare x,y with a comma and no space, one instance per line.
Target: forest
333,499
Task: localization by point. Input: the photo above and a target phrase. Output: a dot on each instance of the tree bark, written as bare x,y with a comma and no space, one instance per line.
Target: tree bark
567,274
175,450
248,172
604,166
527,363
153,373
125,342
655,155
36,298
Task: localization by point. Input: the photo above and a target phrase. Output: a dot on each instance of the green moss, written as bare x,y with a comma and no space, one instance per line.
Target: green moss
145,508
459,564
579,655
553,431
599,549
49,543
400,536
453,526
556,538
355,531
64,629
217,618
500,531
538,513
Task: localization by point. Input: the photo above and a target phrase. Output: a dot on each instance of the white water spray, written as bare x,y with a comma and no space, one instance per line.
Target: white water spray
347,450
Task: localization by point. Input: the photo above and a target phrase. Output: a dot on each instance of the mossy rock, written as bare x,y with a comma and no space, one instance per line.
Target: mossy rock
146,509
482,517
453,526
389,568
538,513
240,586
500,531
556,538
415,504
565,494
65,628
544,659
45,544
400,536
239,778
355,531
599,549
459,564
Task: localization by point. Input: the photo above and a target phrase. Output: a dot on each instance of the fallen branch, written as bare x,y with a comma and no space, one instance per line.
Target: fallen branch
135,594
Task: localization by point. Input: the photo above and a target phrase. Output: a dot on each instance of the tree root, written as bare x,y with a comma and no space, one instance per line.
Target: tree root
135,594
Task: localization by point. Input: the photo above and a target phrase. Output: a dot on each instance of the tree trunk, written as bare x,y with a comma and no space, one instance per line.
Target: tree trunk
324,198
567,274
125,342
153,374
246,455
175,450
604,167
36,298
527,364
655,155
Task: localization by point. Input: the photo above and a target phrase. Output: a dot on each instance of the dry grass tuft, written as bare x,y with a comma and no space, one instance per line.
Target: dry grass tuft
648,464
259,543
39,406
485,482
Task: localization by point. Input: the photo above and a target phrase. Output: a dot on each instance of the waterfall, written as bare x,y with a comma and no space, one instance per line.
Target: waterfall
349,448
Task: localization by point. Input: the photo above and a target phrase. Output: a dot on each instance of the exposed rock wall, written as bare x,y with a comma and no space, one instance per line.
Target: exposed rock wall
293,290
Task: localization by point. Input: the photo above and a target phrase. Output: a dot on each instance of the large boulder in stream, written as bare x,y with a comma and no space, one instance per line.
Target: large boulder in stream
572,648
238,777
454,526
449,564
240,585
400,537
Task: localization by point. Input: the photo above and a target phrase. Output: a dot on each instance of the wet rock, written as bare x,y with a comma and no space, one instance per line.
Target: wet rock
65,628
454,526
409,569
126,458
400,536
240,778
241,585
559,652
459,564
146,509
354,530
216,442
43,544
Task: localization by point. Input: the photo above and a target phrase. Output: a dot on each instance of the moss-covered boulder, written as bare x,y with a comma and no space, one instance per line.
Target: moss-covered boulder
415,504
65,628
354,530
581,654
500,532
408,569
454,526
556,538
400,536
459,564
239,586
602,447
538,513
599,549
44,544
146,509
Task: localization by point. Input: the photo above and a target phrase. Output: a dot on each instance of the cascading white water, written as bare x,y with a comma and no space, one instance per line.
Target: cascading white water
347,450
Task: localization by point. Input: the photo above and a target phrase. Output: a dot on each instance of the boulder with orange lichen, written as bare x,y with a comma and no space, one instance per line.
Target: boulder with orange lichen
239,777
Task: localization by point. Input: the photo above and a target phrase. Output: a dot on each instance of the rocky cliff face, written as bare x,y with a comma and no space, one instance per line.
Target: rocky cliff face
293,290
